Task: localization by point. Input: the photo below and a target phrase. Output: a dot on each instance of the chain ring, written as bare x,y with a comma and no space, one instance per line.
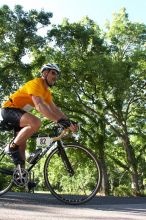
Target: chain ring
20,179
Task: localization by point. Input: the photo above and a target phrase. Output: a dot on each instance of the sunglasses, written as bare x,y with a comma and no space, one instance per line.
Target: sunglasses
53,72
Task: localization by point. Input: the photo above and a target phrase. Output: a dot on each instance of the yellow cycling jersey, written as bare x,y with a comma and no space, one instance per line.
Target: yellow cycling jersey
22,97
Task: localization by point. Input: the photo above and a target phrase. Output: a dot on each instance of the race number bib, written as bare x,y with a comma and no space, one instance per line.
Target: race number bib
43,141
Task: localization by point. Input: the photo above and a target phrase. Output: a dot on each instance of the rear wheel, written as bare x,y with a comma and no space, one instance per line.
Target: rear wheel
6,170
79,187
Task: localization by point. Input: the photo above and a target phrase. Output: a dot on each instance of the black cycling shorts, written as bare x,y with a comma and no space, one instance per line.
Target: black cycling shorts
12,116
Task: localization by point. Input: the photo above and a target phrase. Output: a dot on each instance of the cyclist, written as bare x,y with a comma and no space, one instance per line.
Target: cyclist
33,94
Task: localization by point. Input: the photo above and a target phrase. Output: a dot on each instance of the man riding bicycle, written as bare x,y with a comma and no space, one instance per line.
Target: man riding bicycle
33,94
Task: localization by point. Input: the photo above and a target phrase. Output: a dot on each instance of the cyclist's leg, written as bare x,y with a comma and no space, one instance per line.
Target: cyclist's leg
29,124
22,148
25,124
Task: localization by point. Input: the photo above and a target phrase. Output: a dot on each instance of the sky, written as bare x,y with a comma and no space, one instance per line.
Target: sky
75,10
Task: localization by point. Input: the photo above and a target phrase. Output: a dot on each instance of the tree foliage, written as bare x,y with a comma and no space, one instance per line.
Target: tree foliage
102,83
18,37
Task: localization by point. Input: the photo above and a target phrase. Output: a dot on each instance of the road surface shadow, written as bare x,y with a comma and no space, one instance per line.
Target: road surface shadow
39,202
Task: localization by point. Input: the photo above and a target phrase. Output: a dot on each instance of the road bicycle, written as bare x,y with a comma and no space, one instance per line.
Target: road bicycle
71,171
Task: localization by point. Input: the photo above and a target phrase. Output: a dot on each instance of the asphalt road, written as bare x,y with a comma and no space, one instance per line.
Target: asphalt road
26,206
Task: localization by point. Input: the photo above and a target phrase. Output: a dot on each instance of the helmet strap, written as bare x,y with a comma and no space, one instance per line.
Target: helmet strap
47,82
45,78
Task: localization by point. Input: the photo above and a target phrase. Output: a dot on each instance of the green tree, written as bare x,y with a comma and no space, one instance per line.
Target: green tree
18,37
79,49
125,86
104,85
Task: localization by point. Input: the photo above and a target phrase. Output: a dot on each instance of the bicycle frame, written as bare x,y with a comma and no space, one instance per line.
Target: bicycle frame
50,147
72,164
61,152
40,156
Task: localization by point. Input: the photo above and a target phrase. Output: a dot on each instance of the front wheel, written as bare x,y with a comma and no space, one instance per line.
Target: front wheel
79,187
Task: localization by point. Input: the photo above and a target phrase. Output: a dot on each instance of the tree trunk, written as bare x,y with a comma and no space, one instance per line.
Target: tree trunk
101,140
132,164
105,181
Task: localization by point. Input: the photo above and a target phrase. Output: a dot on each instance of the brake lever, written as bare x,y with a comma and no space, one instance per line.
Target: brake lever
63,134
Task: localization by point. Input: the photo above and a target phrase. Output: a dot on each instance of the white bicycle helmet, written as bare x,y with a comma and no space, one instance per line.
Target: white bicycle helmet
50,66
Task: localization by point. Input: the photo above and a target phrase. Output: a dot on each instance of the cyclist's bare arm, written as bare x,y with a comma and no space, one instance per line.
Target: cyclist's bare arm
57,111
50,111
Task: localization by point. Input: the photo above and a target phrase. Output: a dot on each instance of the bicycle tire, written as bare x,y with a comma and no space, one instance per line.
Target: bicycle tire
6,171
71,190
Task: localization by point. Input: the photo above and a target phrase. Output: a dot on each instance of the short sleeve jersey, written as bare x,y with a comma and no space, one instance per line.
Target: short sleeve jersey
22,98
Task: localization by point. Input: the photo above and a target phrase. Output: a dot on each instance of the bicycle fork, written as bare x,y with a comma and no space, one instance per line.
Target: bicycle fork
65,159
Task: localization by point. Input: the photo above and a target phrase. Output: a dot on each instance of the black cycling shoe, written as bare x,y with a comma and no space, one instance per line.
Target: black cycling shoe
13,151
14,154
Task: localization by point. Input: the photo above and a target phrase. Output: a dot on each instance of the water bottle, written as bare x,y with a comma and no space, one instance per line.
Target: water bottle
33,156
